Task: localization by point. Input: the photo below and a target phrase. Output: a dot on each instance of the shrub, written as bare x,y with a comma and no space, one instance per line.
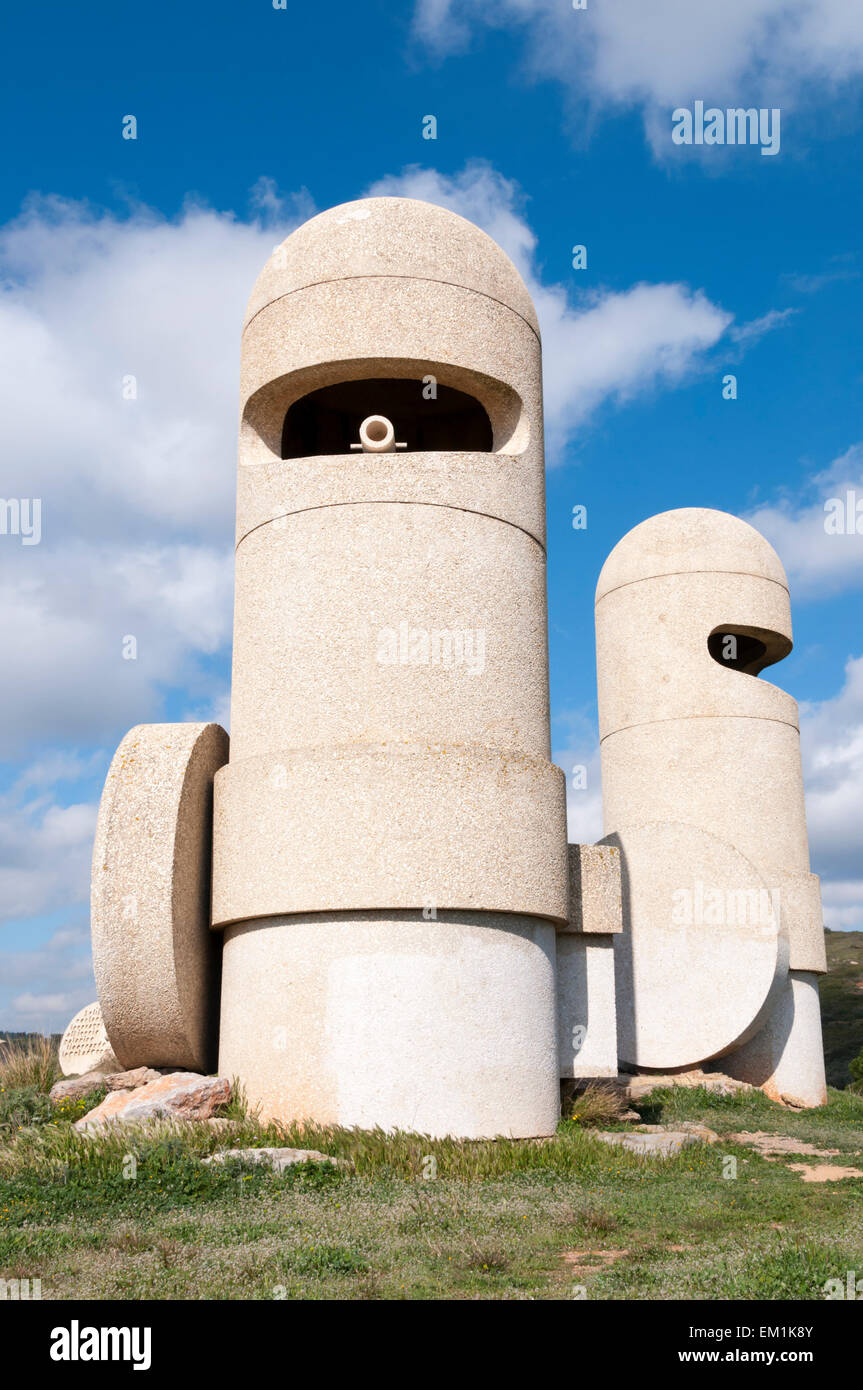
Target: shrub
31,1065
595,1106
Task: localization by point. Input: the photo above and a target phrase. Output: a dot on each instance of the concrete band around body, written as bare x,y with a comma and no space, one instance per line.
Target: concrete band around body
350,828
738,778
297,343
491,485
155,961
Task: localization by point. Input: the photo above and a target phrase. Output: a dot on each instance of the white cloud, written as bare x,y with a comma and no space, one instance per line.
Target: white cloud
843,904
45,852
578,757
36,1007
137,495
832,744
613,345
756,328
819,561
665,54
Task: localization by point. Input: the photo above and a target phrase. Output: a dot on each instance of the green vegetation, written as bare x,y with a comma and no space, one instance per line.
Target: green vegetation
135,1214
842,1004
31,1063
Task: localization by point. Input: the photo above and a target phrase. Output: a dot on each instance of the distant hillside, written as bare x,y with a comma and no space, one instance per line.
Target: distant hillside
842,1003
22,1039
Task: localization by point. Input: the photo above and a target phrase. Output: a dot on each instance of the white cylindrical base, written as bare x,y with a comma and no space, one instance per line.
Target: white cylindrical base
440,1027
786,1057
587,1020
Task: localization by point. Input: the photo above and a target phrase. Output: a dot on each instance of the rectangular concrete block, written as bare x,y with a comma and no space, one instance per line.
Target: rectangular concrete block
801,912
595,904
586,1014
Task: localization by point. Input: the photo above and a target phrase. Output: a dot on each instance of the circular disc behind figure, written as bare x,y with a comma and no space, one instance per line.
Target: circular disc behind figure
703,953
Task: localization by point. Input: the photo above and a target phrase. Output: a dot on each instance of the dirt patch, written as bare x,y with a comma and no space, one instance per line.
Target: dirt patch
768,1144
824,1172
590,1261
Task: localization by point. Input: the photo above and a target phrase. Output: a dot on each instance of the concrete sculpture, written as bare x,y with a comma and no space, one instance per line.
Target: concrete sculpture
377,869
84,1047
703,793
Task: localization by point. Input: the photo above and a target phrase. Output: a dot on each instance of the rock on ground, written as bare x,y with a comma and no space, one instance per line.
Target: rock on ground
77,1086
178,1096
74,1087
131,1080
636,1087
659,1143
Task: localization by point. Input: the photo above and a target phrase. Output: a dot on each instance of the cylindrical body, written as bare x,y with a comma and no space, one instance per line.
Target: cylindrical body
702,776
390,843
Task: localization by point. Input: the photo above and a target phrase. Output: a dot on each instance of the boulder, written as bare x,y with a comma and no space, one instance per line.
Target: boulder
178,1096
77,1086
637,1086
131,1080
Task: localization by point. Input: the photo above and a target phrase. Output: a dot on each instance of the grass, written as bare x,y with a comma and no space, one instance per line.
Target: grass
136,1215
32,1064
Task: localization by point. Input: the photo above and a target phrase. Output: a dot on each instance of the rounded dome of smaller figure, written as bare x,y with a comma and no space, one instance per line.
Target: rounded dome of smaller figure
689,540
401,237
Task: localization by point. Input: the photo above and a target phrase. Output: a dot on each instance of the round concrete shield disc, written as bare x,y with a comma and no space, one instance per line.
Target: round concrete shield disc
703,952
154,956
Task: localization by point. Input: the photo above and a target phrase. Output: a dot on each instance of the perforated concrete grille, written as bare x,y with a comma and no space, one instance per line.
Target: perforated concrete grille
85,1038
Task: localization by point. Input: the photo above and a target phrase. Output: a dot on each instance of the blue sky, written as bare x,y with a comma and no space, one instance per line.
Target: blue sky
553,129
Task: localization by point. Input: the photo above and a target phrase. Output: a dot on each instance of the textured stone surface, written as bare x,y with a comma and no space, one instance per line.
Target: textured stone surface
337,663
595,903
390,843
443,1027
637,1087
391,237
491,485
131,1080
84,1047
664,1144
92,1080
690,540
177,1096
156,963
277,1159
692,740
78,1086
389,826
698,1131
